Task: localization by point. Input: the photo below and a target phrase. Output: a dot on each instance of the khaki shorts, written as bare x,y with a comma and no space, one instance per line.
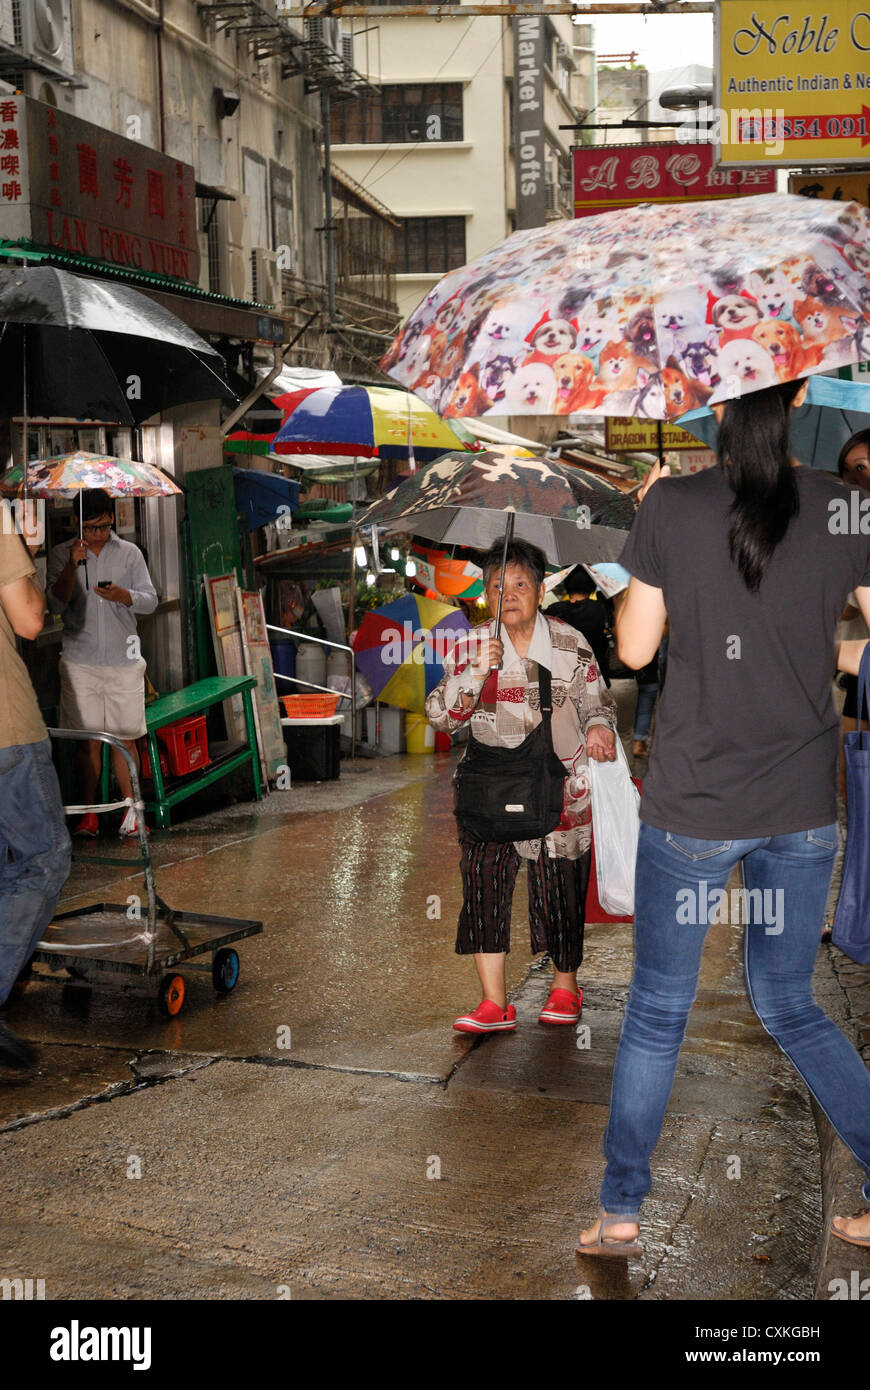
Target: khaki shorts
107,699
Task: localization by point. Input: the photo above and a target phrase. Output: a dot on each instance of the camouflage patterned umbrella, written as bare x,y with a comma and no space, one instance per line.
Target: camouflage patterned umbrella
467,499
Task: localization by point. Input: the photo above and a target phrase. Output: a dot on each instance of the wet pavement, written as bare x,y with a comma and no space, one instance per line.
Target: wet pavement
321,1130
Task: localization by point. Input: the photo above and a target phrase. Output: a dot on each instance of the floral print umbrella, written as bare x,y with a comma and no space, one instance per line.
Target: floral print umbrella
649,312
68,475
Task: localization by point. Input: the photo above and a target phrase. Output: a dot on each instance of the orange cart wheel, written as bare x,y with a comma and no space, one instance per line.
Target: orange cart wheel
172,994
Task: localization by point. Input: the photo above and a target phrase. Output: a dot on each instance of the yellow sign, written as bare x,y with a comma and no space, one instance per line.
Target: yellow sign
792,82
845,188
624,435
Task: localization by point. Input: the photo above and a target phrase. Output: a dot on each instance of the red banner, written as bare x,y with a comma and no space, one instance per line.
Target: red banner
607,177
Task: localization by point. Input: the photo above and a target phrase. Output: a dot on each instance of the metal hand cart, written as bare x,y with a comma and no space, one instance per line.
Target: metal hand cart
137,946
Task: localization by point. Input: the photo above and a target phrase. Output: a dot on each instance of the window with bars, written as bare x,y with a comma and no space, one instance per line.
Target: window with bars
408,113
430,244
208,221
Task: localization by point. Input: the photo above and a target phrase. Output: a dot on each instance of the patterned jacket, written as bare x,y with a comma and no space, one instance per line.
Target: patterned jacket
509,707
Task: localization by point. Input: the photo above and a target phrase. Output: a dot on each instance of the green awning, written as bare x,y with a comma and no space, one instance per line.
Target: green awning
26,250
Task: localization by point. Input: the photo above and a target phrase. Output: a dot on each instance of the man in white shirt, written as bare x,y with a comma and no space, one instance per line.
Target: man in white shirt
99,583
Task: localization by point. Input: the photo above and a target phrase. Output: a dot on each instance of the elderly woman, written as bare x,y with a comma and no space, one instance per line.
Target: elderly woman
502,707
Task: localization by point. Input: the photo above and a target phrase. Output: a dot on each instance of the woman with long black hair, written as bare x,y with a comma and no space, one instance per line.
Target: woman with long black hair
749,564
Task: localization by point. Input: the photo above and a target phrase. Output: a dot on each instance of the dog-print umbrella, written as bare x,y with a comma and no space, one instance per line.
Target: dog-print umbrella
649,312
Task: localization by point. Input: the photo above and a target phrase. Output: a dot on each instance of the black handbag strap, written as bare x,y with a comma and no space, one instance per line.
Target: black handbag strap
545,690
863,693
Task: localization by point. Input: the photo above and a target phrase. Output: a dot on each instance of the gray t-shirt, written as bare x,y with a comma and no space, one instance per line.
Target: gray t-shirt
746,733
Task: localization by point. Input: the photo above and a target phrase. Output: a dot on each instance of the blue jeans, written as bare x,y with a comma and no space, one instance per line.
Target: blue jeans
34,853
646,703
675,880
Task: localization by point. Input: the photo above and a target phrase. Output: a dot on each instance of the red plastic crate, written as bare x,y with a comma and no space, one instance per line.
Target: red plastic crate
145,761
186,744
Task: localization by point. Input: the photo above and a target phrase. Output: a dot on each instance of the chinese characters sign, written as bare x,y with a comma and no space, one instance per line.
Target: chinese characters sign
792,81
607,177
841,188
69,185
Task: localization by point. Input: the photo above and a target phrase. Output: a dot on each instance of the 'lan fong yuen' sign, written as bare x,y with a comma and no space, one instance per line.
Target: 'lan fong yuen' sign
68,185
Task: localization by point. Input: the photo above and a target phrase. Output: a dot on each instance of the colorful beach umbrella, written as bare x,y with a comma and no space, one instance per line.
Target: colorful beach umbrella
400,648
367,421
647,312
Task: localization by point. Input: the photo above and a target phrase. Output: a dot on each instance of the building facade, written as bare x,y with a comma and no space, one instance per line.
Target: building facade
436,144
209,116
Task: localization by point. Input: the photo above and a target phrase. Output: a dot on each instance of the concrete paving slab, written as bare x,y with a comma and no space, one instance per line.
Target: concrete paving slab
62,1077
256,1177
352,960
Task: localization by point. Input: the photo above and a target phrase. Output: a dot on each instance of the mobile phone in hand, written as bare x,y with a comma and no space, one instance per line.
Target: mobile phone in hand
105,584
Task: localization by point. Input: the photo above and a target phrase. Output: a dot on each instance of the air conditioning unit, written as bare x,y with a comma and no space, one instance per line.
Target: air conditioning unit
8,37
326,30
347,49
266,278
237,217
234,273
47,34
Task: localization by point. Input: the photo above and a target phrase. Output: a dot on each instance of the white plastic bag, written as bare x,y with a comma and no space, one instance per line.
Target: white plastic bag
615,826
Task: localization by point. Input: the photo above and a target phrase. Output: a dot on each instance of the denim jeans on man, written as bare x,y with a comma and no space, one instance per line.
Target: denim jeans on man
34,853
780,950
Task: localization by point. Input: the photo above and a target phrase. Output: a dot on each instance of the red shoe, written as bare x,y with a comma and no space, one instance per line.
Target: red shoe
487,1018
562,1007
129,829
88,825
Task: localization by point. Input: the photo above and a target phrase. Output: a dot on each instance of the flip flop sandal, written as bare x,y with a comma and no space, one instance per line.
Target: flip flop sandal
863,1241
611,1249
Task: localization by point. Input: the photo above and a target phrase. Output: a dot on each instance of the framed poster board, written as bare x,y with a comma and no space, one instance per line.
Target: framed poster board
220,594
258,661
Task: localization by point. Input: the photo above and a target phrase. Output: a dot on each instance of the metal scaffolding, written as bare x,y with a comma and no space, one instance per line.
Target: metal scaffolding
302,52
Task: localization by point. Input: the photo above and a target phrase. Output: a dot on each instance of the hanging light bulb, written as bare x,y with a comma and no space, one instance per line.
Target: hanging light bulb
360,555
410,569
394,553
370,580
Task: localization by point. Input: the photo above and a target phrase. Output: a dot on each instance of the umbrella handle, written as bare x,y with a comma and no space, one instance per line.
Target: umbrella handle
82,536
508,537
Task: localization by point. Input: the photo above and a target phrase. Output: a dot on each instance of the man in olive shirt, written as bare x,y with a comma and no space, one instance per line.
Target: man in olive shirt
34,844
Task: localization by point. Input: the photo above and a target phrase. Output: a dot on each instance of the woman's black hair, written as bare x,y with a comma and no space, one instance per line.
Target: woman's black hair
862,437
753,449
521,553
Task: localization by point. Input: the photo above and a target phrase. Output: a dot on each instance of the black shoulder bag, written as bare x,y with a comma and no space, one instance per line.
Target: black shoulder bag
505,794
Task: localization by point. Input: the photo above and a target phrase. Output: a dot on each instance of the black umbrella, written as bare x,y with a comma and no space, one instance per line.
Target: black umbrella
91,350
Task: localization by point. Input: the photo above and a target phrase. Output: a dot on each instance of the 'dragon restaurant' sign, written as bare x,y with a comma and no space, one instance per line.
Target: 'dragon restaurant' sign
625,435
68,185
607,177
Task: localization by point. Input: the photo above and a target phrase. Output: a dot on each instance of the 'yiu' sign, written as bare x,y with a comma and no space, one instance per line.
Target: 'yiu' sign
71,186
793,82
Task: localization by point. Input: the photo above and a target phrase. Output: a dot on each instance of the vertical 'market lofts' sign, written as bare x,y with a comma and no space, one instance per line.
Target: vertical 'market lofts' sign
531,198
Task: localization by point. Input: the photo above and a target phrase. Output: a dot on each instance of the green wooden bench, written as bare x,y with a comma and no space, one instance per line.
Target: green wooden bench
193,699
